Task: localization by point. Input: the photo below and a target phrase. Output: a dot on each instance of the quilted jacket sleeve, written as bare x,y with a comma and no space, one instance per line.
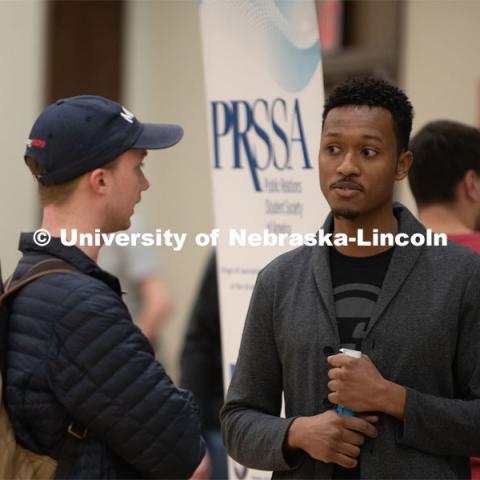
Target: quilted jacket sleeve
103,371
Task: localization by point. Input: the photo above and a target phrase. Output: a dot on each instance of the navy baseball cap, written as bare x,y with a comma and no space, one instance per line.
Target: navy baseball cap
78,134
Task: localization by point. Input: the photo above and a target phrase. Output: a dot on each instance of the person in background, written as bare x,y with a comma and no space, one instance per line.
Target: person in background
147,295
201,367
445,182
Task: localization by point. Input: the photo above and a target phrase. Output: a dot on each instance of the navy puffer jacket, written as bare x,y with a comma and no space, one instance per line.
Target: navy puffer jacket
74,354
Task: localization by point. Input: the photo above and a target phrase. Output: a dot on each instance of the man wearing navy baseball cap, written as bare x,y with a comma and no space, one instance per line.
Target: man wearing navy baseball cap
76,135
82,384
94,135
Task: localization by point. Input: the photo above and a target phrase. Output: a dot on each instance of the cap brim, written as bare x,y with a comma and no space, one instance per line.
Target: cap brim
158,135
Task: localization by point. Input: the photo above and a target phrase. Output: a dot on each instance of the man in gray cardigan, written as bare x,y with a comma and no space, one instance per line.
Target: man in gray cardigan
414,312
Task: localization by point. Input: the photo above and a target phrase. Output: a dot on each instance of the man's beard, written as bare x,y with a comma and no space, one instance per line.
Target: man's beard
344,213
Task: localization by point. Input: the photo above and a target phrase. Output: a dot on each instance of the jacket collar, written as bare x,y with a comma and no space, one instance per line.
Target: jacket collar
401,264
73,255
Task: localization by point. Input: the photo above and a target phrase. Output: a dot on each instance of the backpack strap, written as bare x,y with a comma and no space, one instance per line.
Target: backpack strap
66,454
40,269
67,449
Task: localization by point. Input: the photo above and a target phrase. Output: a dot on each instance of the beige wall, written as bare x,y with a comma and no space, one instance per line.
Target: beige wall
22,48
164,82
441,67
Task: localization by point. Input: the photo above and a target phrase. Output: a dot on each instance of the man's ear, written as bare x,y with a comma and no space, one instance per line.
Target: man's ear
471,185
404,163
97,180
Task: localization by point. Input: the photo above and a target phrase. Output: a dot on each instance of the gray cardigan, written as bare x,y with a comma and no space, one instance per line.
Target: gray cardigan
424,334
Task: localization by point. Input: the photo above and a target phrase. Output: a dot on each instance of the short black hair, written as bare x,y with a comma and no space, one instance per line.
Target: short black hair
374,92
443,152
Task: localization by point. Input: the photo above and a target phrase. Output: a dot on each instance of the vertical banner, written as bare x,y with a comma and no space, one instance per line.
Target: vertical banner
264,90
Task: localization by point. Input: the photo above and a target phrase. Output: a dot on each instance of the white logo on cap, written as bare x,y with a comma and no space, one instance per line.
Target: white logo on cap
128,116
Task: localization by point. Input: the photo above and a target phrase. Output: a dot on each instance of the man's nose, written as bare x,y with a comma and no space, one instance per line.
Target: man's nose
145,184
348,166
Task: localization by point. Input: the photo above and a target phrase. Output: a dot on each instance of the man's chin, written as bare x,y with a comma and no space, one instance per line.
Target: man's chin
117,227
345,213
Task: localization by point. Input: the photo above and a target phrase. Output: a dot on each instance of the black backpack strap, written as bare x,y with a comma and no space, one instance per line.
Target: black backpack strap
66,450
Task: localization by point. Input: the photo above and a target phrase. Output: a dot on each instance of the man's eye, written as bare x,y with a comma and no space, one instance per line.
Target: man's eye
333,149
368,152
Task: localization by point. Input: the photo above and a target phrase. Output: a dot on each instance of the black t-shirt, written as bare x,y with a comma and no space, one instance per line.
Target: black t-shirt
356,283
